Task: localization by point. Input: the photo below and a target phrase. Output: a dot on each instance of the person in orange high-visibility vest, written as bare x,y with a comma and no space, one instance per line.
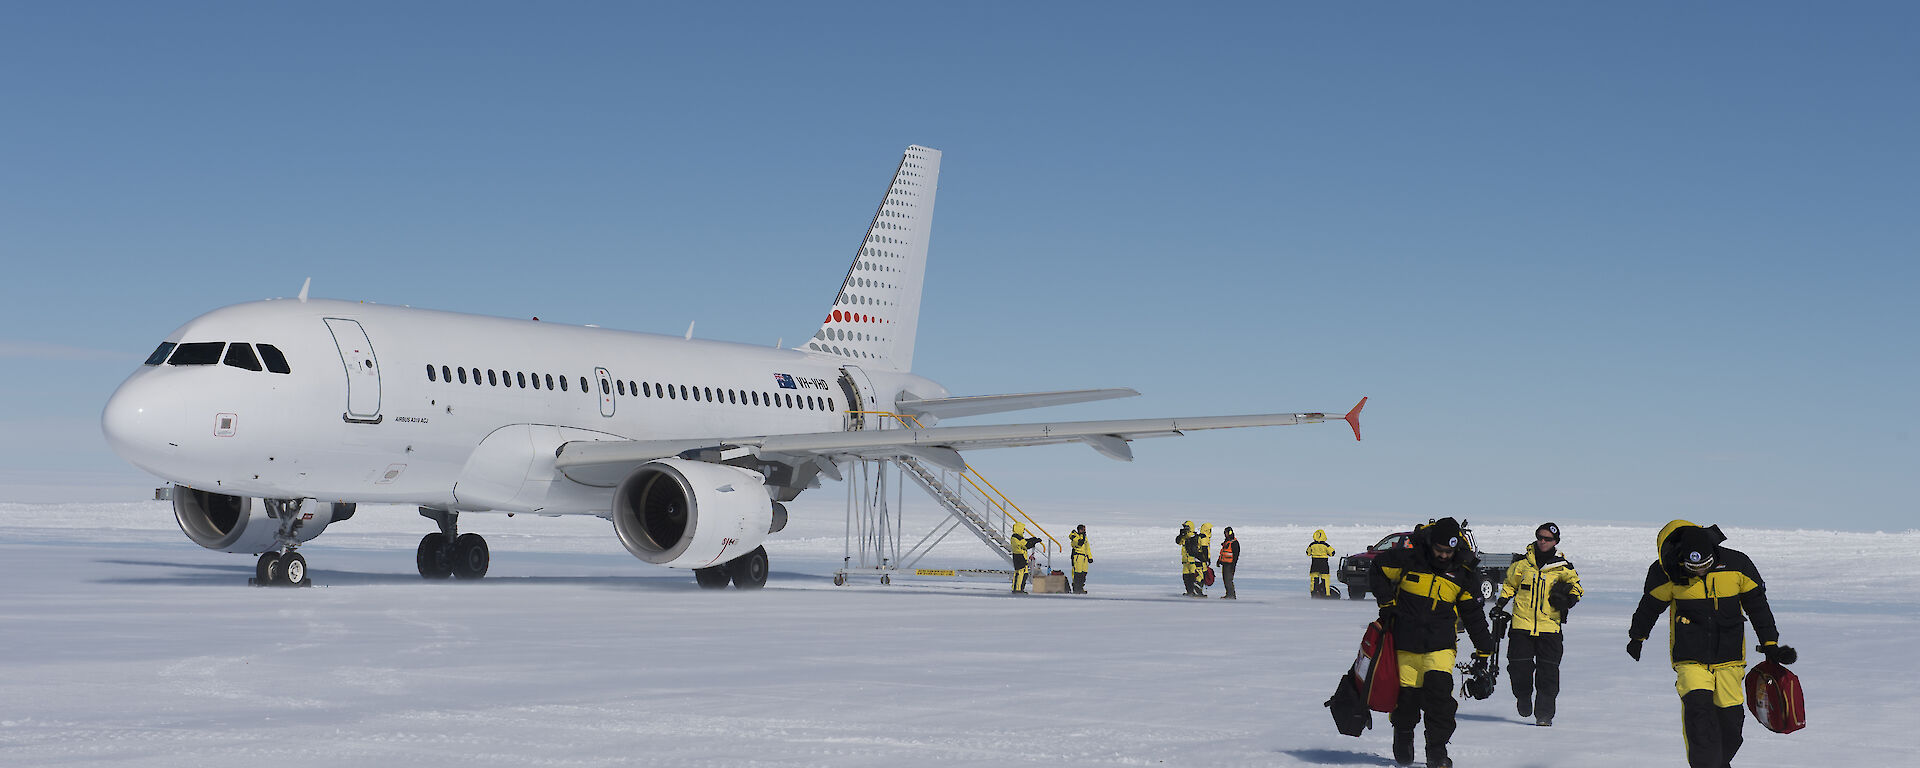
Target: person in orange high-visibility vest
1229,556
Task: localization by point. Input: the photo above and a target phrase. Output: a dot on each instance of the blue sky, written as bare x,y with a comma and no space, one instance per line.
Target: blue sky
1612,263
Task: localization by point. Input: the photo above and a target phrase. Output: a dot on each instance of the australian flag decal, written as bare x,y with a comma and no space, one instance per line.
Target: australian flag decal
785,381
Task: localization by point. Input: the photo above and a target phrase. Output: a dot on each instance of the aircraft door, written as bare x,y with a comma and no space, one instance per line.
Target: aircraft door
606,391
362,367
861,402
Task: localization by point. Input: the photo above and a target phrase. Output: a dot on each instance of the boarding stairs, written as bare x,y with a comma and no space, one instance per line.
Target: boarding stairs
968,499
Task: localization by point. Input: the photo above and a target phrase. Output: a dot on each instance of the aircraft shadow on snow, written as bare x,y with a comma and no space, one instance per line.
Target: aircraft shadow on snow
212,575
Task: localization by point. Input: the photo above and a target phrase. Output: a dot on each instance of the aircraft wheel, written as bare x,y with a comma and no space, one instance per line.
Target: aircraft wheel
712,578
432,556
470,556
839,579
750,572
885,580
293,569
266,570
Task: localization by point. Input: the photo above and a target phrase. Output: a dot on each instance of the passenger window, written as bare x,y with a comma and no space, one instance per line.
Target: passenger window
670,394
709,394
632,388
583,384
646,388
521,377
605,388
463,375
432,375
733,397
491,381
197,353
549,381
754,396
276,362
240,355
160,353
563,383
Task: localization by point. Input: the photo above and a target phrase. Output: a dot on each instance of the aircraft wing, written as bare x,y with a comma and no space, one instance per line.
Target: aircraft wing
954,407
607,463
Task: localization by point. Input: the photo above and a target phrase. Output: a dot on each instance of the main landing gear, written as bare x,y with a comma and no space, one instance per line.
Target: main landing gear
282,566
748,571
448,552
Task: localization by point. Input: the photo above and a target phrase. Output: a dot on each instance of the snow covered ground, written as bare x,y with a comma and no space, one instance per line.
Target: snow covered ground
125,644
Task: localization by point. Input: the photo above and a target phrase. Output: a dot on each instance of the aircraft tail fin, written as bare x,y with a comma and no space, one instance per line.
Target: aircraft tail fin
876,315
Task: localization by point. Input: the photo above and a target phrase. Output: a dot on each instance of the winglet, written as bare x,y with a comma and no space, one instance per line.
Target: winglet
1353,417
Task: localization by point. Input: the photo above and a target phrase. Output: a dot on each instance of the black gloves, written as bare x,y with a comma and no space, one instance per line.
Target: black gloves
1633,648
1562,598
1386,615
1500,619
1780,654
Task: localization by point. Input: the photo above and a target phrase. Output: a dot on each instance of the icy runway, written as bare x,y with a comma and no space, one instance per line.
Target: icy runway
128,645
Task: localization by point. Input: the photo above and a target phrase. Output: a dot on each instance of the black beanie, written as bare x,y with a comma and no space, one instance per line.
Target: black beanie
1549,528
1696,545
1443,532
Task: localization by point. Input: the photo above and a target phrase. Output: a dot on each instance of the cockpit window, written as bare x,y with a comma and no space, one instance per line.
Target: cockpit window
276,362
197,353
160,353
240,355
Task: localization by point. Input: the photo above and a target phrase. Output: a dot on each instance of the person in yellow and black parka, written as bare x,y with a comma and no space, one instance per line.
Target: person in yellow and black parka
1709,593
1320,584
1020,541
1543,587
1189,558
1424,591
1082,557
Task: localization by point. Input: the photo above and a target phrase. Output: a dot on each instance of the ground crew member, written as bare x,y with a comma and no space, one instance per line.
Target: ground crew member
1019,544
1542,586
1319,584
1082,557
1205,559
1709,592
1229,555
1424,592
1189,542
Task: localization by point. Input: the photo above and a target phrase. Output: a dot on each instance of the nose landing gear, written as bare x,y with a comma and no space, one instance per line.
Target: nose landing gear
448,552
282,566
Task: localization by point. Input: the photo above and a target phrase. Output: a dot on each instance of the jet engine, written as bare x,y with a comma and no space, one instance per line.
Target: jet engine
693,514
239,524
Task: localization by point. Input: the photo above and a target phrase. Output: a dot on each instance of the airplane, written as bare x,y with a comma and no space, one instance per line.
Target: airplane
690,447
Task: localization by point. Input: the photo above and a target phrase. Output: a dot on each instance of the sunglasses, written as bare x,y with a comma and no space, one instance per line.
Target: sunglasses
1550,538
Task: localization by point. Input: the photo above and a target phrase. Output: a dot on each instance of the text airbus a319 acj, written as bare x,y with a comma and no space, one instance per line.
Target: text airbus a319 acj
273,419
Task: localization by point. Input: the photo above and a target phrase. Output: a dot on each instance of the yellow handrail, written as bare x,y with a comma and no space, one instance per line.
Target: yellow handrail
969,476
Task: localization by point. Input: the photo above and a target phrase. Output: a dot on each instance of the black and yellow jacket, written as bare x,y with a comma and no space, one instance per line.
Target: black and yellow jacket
1706,616
1529,581
1427,601
1082,554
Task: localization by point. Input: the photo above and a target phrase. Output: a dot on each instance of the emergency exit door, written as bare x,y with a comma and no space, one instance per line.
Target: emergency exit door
362,367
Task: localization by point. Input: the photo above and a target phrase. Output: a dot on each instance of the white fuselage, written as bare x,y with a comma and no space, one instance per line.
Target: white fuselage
455,411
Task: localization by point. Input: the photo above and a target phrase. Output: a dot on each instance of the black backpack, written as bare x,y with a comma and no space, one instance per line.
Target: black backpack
1349,707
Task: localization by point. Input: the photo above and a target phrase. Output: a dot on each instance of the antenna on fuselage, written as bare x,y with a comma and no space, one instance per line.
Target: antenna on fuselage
303,289
779,341
690,329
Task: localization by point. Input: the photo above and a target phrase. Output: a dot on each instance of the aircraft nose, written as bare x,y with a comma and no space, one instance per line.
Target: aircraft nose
131,421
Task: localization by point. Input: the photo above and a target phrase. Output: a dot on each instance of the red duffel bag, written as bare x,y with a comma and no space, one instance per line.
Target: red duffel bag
1377,670
1773,695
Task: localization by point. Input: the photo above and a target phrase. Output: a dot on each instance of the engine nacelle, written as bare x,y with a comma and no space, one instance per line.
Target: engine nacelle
693,514
238,524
